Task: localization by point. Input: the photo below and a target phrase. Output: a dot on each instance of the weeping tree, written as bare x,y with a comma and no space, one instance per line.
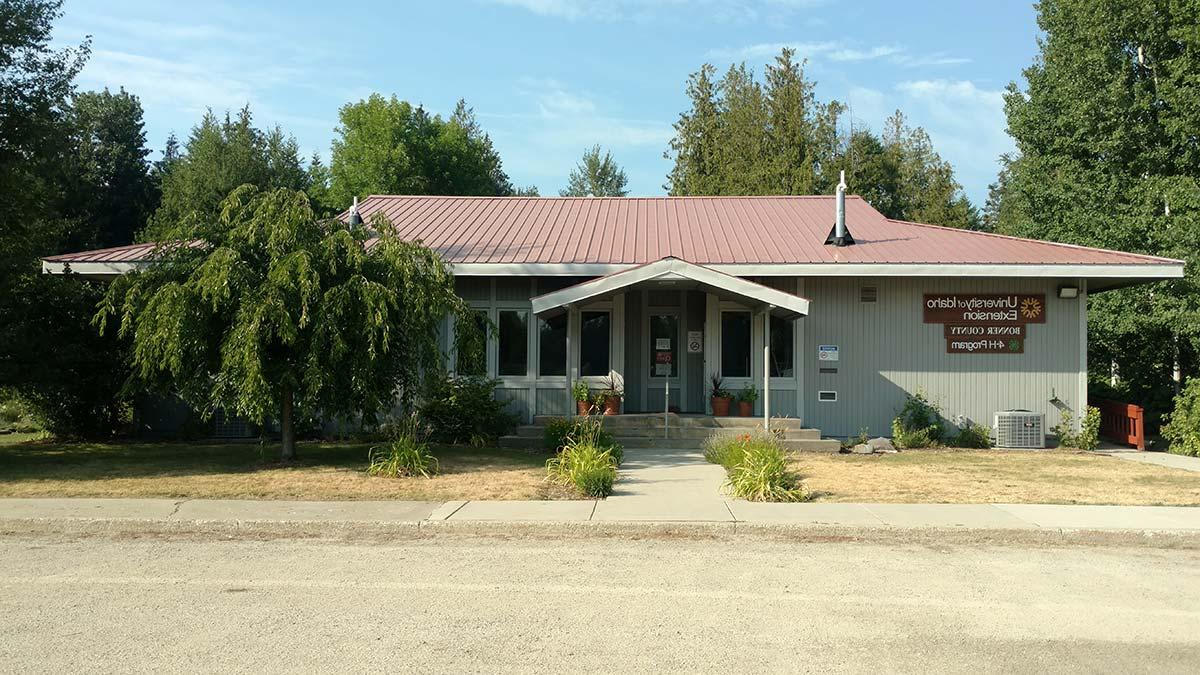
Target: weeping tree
269,310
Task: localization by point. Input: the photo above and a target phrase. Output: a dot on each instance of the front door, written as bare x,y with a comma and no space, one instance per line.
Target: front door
664,365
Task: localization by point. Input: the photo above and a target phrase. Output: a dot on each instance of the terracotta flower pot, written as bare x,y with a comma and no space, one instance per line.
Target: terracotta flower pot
745,408
583,408
612,406
720,406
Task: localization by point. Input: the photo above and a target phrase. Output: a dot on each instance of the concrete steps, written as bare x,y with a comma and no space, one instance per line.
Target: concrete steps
684,431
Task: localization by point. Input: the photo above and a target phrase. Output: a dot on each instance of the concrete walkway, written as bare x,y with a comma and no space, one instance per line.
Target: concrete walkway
631,508
1156,458
667,486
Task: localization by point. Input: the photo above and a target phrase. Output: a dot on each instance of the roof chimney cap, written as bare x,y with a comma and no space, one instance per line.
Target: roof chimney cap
838,234
355,219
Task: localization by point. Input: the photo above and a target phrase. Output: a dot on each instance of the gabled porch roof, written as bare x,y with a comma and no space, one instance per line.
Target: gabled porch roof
675,274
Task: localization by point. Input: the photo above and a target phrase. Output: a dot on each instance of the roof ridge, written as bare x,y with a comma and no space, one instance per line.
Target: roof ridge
641,197
1009,237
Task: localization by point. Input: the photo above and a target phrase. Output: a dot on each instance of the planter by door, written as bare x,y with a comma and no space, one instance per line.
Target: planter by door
745,408
612,406
720,406
584,408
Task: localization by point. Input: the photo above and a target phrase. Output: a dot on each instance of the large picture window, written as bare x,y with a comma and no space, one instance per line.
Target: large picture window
470,345
664,345
783,348
552,345
595,339
513,327
735,344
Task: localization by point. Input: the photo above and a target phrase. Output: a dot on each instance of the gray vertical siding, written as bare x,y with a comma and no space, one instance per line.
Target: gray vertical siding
887,352
693,362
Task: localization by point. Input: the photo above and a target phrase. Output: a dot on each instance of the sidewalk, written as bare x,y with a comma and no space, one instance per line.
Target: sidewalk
895,516
1154,457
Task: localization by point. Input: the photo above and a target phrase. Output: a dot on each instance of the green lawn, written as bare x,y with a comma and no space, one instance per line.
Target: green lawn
324,471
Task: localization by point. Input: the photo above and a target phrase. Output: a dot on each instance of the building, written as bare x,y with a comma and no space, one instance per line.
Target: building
661,293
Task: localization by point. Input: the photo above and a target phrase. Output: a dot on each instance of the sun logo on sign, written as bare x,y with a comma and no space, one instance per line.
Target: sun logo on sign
1031,308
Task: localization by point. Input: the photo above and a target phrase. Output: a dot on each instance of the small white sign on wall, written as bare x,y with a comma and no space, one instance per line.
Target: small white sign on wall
827,352
695,341
662,344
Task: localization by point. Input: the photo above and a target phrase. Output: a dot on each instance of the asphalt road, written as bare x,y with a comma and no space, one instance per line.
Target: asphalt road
461,604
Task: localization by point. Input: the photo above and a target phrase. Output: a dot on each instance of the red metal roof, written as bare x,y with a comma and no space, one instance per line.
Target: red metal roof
701,230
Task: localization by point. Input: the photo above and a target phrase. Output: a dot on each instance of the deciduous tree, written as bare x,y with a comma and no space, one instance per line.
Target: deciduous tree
277,311
1108,156
596,175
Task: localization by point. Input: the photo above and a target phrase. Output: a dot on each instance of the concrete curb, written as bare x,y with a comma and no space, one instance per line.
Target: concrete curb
382,532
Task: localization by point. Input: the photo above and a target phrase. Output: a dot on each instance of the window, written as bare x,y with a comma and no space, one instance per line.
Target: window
735,344
594,338
664,345
783,353
552,345
513,327
470,344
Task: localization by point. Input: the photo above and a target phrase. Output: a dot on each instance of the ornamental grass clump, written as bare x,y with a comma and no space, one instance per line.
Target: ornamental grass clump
757,467
406,453
585,463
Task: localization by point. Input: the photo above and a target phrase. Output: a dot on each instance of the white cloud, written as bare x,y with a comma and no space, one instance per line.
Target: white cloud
837,51
967,125
718,11
542,140
864,55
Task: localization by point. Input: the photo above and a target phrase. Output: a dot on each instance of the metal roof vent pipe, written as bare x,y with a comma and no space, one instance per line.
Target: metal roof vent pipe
839,235
355,219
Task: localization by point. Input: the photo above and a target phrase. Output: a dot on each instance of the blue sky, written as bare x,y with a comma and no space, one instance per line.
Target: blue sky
549,78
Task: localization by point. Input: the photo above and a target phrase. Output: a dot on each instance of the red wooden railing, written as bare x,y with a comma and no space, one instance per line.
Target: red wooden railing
1122,422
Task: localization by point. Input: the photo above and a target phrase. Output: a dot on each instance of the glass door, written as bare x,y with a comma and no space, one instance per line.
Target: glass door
664,366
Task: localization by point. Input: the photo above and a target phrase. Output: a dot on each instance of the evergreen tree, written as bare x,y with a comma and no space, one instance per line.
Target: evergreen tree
220,155
1108,156
48,355
113,193
741,137
596,175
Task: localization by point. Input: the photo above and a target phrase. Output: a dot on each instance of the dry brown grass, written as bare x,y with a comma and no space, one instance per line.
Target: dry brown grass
952,476
231,471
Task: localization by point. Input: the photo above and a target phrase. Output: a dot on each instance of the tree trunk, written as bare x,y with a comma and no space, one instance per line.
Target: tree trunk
287,427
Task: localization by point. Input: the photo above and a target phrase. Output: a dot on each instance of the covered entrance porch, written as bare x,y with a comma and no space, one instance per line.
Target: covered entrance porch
661,331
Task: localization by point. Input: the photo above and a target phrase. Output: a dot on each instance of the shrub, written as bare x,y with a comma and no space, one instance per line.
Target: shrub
920,423
1182,429
465,410
580,392
762,475
748,394
406,454
560,431
757,467
16,415
725,449
585,464
974,436
1088,437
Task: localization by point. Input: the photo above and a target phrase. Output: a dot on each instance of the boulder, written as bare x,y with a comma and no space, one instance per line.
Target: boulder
881,445
862,449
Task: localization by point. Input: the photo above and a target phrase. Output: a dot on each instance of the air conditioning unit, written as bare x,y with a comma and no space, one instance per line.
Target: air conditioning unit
1020,429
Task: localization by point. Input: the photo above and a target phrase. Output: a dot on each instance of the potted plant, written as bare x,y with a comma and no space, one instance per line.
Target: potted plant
720,397
609,398
583,398
746,398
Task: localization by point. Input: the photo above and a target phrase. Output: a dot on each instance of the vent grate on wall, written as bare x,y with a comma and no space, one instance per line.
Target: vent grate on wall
868,294
827,396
